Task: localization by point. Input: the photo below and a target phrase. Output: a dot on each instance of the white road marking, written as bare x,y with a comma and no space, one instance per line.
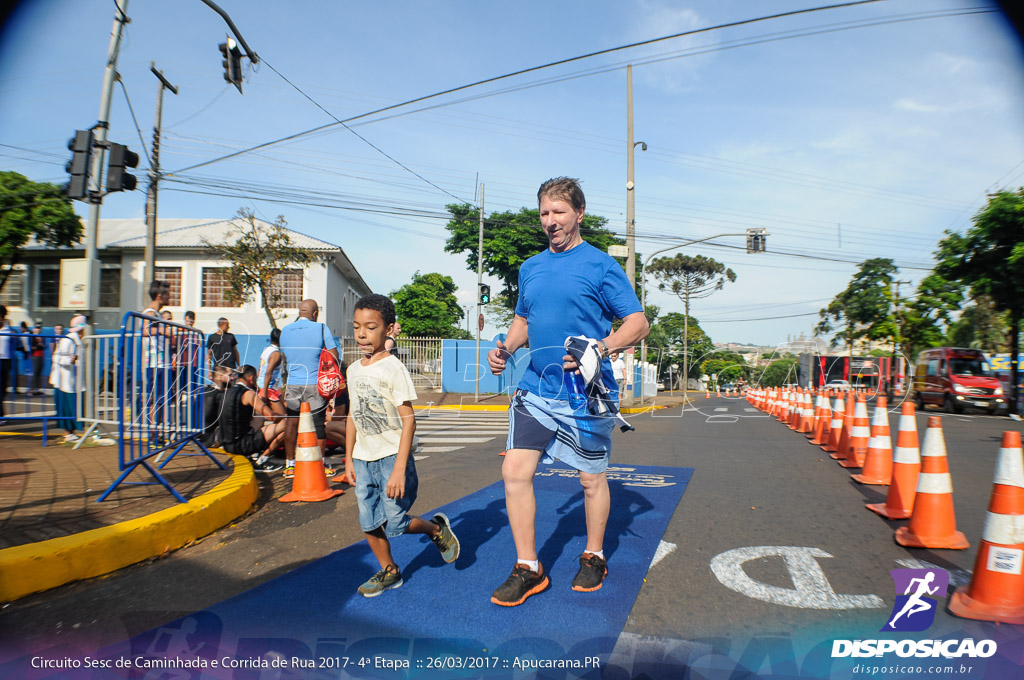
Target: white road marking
811,589
663,551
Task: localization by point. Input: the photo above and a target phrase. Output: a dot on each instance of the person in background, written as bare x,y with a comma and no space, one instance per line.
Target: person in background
391,341
239,437
66,378
222,349
268,382
58,333
6,354
21,354
37,352
619,371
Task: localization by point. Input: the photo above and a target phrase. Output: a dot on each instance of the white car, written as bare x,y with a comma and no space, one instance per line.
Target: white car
843,385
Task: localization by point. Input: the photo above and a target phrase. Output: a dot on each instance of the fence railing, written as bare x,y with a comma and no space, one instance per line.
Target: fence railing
25,391
98,405
160,395
422,356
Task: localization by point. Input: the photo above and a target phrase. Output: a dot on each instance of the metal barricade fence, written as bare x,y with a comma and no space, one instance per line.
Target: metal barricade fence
160,395
422,356
38,400
98,405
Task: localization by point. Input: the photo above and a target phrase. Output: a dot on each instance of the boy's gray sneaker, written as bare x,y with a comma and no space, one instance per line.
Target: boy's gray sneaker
388,578
445,540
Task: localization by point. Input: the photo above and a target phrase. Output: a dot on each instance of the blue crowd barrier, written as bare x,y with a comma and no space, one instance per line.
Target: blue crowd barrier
160,395
31,398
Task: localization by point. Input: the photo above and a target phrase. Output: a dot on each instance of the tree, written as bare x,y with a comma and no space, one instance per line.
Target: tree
673,337
981,326
778,373
989,259
427,307
865,309
509,240
924,319
690,278
30,210
259,253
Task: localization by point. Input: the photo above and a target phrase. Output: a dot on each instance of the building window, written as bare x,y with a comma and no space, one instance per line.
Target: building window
215,288
287,287
110,287
13,293
49,288
171,275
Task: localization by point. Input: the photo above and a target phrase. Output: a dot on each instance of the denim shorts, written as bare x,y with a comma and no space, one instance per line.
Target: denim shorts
375,508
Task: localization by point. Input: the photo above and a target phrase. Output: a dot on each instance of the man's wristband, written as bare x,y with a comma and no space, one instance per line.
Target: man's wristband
604,350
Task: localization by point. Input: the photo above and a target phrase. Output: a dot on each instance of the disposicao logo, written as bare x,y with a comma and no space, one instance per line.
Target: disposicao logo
916,603
914,609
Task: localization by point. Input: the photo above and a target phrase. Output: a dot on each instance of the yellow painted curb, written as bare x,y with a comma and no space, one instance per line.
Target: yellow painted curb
31,568
464,407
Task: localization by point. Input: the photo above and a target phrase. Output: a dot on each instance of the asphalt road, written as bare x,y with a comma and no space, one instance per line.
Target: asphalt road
814,556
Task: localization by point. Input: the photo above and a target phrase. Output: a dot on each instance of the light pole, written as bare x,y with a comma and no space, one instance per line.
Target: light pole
756,241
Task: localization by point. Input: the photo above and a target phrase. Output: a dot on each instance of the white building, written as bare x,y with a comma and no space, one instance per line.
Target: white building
197,278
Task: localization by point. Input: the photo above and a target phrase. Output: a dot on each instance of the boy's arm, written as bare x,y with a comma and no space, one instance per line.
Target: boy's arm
396,482
350,443
272,363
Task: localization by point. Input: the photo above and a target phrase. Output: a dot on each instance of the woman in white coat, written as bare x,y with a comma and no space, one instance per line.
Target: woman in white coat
66,378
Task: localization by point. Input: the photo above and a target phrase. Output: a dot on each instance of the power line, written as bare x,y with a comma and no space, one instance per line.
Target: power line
529,70
142,141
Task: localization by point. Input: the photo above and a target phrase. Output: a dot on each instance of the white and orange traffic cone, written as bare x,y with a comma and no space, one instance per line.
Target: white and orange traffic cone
878,463
906,467
844,434
996,590
860,433
835,425
933,522
310,481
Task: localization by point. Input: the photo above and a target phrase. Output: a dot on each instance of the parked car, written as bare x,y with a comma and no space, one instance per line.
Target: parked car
954,378
842,385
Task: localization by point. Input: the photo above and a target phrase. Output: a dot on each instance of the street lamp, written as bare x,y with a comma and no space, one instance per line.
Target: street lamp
760,236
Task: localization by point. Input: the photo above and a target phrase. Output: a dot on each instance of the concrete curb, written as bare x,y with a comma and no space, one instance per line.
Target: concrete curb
31,568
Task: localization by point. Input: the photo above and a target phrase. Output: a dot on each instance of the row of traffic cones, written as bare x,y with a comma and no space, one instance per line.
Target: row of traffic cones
921,490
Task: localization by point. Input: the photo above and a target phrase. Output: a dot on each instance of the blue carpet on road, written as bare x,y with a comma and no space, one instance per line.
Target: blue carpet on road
314,611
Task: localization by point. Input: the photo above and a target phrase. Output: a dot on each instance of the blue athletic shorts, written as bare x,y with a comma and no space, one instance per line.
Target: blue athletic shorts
375,508
550,426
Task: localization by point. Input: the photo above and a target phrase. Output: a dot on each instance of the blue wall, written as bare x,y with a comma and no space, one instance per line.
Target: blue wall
459,359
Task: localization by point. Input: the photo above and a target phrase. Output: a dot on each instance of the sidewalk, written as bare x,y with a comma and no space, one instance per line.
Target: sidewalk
53,530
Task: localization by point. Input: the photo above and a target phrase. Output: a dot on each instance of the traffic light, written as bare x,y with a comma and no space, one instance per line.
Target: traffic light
757,240
78,167
232,63
120,158
485,293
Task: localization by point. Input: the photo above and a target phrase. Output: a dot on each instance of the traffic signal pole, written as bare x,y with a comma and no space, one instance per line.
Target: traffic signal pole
99,157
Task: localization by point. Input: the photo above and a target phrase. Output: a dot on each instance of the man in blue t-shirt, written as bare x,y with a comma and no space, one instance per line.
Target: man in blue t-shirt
569,289
301,342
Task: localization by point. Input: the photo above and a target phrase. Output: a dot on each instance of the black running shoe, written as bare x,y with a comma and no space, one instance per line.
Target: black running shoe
521,584
266,466
591,575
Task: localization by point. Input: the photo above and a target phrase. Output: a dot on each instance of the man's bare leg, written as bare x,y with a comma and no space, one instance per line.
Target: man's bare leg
597,504
517,471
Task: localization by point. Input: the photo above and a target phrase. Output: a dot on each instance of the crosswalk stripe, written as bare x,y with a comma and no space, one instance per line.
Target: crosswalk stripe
439,449
454,440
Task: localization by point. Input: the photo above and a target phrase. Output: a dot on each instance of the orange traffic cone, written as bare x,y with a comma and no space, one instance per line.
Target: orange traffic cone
906,467
783,410
810,413
860,433
310,481
996,591
707,394
878,463
844,434
822,423
796,409
933,522
835,425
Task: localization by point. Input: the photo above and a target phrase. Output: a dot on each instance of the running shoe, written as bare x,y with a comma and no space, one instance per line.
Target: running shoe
70,438
521,584
591,575
102,441
388,578
329,471
289,472
266,466
445,540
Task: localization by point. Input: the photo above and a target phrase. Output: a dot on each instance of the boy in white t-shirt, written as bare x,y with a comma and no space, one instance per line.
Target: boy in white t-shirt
379,438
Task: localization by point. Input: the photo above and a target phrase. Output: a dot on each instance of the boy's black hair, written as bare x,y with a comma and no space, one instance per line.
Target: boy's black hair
248,371
158,288
275,336
190,314
379,303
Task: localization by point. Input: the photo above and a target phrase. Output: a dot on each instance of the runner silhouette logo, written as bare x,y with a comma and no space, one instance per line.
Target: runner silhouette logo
914,609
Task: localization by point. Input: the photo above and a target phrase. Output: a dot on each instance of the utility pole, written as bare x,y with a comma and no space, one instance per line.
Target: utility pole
630,221
154,177
898,340
479,281
99,159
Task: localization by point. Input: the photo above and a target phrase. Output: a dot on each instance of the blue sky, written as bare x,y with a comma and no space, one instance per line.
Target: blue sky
849,133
